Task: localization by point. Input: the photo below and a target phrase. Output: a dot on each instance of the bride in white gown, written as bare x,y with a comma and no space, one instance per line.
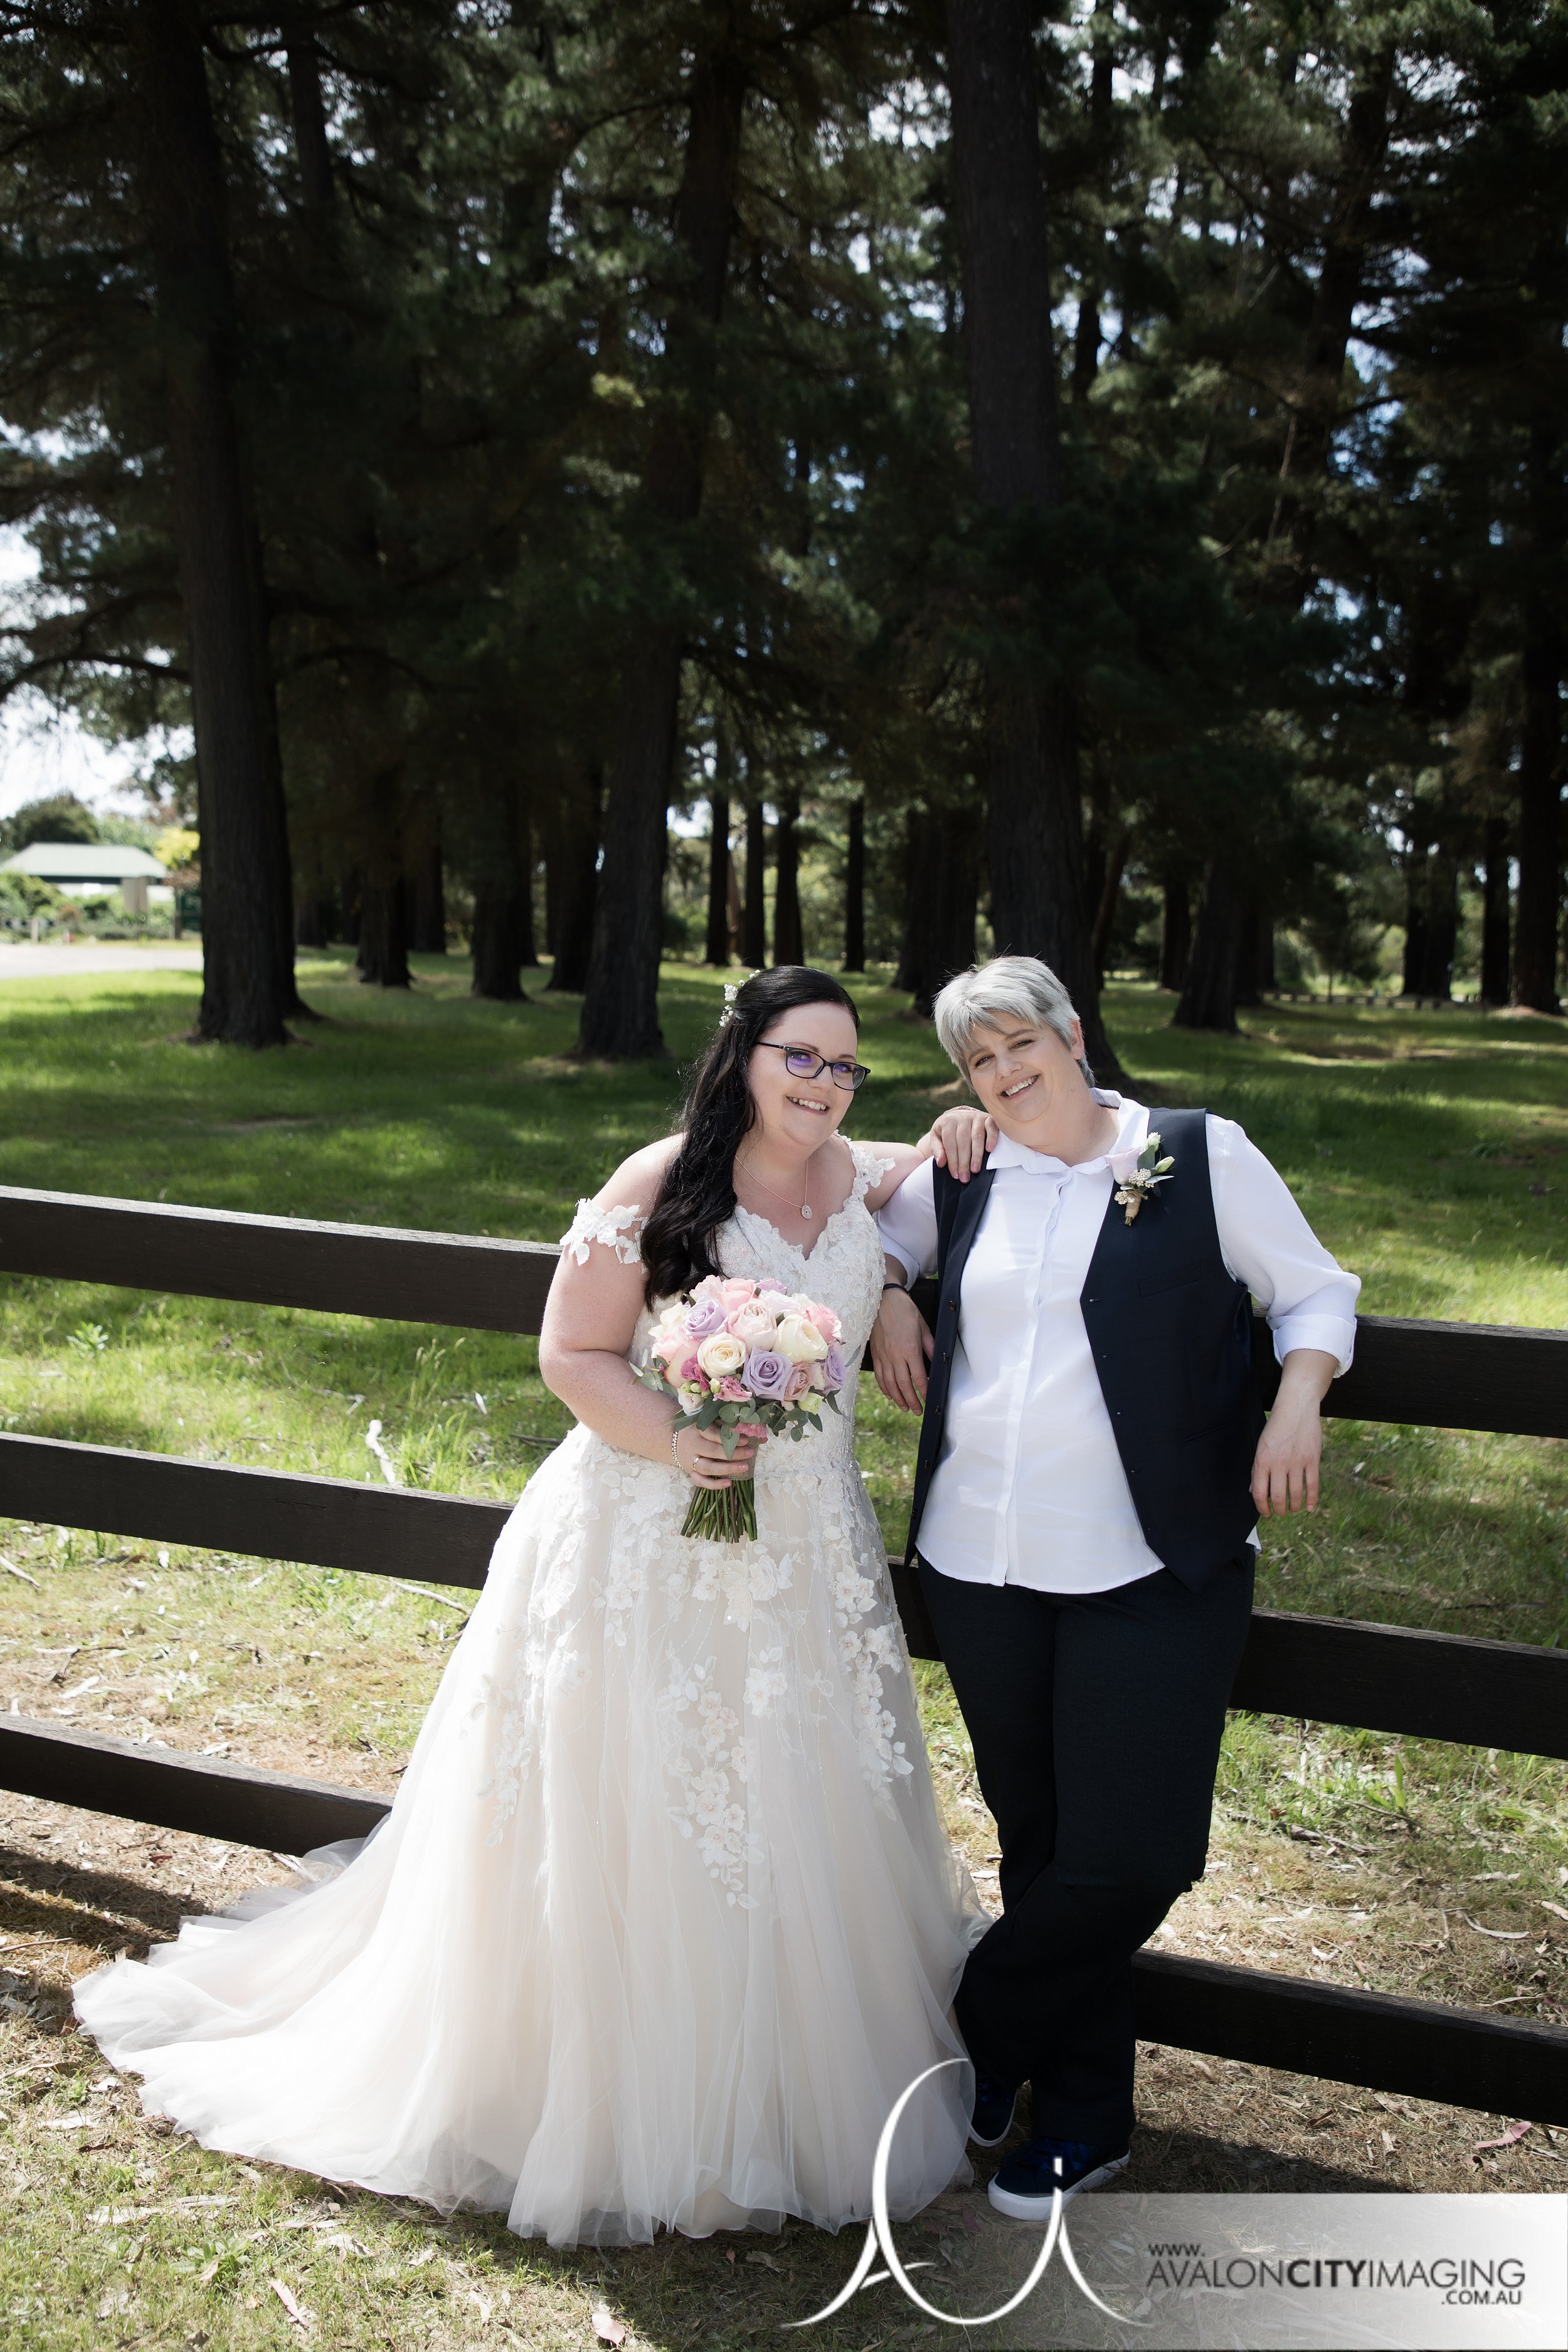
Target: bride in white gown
662,1920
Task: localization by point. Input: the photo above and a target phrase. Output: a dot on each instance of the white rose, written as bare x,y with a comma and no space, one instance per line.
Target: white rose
754,1324
1123,1166
801,1342
721,1355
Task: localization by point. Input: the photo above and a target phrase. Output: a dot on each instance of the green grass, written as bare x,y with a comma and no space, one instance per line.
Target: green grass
1430,1152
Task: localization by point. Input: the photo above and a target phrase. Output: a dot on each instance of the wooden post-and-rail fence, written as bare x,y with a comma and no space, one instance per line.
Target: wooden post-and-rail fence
1376,1677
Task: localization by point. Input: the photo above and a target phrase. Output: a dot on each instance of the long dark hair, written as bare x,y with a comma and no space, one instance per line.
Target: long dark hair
699,1189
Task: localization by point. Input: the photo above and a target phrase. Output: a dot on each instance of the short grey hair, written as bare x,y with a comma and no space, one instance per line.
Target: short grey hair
1010,992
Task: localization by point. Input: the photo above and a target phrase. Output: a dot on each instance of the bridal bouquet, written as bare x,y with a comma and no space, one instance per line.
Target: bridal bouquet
746,1356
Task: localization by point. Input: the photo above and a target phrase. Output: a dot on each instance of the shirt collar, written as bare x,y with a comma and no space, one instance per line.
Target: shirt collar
1132,1128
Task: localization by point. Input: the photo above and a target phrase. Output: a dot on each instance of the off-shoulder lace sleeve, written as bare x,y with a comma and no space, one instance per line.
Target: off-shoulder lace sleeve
869,1169
618,1228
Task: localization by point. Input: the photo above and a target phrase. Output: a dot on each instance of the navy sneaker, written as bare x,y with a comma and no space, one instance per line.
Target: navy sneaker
991,2119
1024,2184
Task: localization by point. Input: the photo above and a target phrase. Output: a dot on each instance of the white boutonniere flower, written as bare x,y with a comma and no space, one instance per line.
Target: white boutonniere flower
1136,1174
732,990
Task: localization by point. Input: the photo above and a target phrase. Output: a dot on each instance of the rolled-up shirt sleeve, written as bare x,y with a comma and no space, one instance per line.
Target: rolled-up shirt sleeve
907,1222
1307,1296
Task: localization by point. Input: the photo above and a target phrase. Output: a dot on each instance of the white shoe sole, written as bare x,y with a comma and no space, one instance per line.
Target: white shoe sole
1039,2209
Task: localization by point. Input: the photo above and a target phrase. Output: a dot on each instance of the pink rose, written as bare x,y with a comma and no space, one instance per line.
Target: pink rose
826,1322
798,1382
734,1392
736,1292
670,1346
711,1286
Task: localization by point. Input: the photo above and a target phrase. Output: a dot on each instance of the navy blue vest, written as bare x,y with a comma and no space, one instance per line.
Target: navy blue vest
1171,1333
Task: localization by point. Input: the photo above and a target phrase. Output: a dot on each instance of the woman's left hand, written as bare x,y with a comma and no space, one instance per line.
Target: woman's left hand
1285,1466
961,1141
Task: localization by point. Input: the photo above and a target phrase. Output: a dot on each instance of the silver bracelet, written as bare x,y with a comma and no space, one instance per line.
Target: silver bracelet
674,1442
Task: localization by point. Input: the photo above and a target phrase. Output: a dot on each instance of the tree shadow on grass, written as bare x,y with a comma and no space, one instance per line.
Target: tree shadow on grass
98,1910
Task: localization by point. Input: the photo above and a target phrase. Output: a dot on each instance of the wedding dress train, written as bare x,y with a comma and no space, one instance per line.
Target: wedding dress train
662,1920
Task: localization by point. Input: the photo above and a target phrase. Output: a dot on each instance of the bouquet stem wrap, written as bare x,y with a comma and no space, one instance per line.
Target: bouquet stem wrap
744,1358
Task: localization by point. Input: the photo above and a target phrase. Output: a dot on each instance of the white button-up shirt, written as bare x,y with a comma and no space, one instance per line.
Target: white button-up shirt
1029,1488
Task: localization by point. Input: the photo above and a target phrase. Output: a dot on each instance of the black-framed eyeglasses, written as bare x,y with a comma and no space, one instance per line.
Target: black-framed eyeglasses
801,1063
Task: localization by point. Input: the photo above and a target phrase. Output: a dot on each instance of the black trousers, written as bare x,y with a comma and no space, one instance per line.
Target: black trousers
1096,1722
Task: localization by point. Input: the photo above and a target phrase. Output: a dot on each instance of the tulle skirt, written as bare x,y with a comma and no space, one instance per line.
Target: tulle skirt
662,1920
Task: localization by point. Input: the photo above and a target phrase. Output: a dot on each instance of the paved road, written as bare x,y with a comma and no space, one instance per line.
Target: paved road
48,963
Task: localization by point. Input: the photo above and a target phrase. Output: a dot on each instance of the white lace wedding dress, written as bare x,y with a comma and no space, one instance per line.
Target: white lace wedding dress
662,1920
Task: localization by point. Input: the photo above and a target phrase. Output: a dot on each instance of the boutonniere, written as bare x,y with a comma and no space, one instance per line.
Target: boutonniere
1136,1174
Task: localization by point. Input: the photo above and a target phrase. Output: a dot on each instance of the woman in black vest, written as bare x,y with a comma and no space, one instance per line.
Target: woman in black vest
1092,1461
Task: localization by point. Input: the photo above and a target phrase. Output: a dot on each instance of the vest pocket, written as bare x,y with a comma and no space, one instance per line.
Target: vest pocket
1174,1278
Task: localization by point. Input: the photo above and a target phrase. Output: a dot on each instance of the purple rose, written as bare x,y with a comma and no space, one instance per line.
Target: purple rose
703,1319
834,1372
771,1289
767,1372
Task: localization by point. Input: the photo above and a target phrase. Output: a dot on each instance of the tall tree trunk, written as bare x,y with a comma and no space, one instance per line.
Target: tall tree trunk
620,1009
717,949
789,943
1442,927
428,891
1417,872
1101,115
572,881
1309,434
1208,994
1494,911
1033,829
1110,892
718,868
732,908
855,889
312,153
755,942
501,940
1249,931
942,893
1268,980
383,957
248,988
1541,742
1175,929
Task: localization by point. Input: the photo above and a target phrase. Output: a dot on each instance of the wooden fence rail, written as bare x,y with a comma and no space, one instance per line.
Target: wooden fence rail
1444,1375
1377,1677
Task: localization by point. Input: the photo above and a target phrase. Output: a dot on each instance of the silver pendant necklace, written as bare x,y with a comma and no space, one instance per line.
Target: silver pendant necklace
805,1210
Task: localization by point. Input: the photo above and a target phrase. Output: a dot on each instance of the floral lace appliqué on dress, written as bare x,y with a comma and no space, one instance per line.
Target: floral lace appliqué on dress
663,1920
